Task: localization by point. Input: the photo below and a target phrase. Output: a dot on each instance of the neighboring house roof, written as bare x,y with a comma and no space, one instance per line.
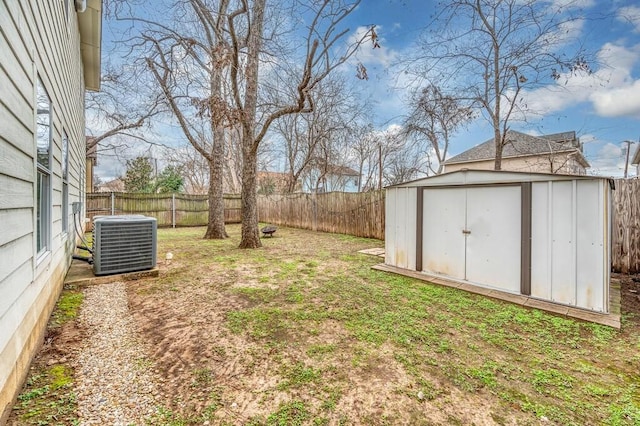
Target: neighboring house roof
115,185
279,179
90,27
523,145
341,171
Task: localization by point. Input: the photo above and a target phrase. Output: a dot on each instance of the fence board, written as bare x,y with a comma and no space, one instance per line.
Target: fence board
358,214
190,210
625,232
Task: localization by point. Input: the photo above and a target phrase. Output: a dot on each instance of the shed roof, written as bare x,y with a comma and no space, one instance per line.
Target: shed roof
478,177
523,145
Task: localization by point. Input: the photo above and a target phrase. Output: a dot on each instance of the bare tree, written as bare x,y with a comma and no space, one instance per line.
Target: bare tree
385,157
190,62
194,168
434,117
322,37
364,153
309,138
206,61
495,49
118,111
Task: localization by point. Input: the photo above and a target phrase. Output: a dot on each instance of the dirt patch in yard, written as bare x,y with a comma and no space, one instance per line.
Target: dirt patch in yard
304,332
230,336
629,295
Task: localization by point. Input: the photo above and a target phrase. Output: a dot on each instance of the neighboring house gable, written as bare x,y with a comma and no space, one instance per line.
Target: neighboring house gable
49,54
332,178
115,185
555,153
274,182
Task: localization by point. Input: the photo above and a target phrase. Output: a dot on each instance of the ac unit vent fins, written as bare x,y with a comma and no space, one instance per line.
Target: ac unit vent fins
124,244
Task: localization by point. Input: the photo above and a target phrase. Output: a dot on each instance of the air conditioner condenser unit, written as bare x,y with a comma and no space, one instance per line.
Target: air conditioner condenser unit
124,244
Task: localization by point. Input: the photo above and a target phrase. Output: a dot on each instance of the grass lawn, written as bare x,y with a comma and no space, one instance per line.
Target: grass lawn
304,332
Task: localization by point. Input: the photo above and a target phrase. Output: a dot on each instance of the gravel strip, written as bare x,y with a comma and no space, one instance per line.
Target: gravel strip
115,381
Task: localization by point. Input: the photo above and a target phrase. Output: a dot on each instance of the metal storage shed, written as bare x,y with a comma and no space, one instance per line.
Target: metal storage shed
539,235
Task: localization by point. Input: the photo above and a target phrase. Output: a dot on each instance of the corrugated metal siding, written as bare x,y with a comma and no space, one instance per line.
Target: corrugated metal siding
400,228
570,233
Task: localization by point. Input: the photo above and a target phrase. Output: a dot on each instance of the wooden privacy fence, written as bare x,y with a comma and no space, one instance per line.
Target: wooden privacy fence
168,209
625,229
359,214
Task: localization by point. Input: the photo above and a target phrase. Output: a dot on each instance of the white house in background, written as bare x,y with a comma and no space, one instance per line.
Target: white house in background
49,55
556,153
331,178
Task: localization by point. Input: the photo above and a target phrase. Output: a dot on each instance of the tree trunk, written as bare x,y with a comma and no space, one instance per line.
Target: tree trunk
215,226
250,234
497,165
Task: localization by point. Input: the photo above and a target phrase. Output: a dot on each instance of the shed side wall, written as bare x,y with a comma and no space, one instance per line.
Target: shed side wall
400,227
569,243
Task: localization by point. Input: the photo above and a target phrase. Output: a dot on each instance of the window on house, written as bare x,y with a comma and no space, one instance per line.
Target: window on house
65,182
43,181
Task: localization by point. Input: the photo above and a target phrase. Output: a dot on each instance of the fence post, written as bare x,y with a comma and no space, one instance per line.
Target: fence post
314,207
113,204
173,210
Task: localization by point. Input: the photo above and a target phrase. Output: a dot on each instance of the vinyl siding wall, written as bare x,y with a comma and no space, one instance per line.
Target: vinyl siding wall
561,163
36,41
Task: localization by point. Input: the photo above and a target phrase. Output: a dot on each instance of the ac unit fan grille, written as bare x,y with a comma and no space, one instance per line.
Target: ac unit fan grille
124,244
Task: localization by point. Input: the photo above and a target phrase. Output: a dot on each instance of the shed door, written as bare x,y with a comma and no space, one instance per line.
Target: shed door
473,234
494,242
443,245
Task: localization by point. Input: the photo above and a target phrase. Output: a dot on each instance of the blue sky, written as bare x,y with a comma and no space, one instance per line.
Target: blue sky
603,109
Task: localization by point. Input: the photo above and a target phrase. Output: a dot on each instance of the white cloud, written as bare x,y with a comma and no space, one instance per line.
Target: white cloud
611,90
573,4
588,138
623,101
367,54
572,29
631,15
607,160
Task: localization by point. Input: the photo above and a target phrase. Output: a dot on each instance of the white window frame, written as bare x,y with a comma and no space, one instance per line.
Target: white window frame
65,182
43,139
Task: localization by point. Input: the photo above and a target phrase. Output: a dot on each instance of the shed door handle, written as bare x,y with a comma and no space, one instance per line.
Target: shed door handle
466,232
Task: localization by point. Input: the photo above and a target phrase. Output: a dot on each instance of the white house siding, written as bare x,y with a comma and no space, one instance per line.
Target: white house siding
560,163
36,40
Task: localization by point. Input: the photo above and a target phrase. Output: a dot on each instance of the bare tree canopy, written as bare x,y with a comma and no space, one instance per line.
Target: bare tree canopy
218,64
434,117
318,139
118,109
493,50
